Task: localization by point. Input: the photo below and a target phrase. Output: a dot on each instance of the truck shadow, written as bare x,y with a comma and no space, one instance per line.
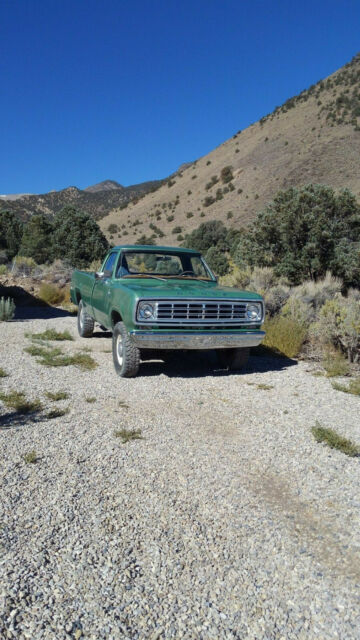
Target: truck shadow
202,364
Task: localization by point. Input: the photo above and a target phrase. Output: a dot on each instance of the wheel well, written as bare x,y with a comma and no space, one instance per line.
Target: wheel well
115,318
77,296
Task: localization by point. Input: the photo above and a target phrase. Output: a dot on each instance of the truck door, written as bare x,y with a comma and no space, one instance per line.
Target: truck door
102,290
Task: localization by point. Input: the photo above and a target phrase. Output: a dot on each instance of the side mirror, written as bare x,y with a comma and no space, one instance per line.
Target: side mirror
99,275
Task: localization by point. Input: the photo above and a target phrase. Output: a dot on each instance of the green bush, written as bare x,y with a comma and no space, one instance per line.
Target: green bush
335,364
3,269
305,232
226,174
7,309
217,261
77,238
176,230
334,440
11,231
23,266
284,335
208,234
37,240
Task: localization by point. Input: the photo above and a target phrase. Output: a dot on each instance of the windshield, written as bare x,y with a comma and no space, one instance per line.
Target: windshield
163,265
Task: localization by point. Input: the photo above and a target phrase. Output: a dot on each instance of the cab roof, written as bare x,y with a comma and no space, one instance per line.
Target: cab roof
150,247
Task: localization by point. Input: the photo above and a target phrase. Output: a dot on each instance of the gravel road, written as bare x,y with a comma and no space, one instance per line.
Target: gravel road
226,521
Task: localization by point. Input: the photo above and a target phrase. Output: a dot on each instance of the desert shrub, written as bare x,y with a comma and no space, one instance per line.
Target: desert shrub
297,310
305,232
213,180
7,309
236,278
226,174
315,294
95,265
217,261
11,231
180,237
275,298
229,215
51,293
189,214
23,266
339,324
3,269
353,387
176,230
209,200
113,228
284,335
262,279
170,218
145,240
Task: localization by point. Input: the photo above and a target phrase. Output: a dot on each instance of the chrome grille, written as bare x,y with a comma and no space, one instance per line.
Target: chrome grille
201,311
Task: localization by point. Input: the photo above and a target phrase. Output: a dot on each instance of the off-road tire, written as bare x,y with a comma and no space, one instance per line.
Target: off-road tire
126,355
233,359
85,322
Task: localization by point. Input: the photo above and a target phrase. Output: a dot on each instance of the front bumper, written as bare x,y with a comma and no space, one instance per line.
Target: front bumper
196,339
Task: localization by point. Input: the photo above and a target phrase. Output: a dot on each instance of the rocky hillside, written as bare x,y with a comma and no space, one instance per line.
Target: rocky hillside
313,137
98,199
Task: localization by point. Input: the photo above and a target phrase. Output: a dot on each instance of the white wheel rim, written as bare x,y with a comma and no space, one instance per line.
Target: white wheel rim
119,349
81,319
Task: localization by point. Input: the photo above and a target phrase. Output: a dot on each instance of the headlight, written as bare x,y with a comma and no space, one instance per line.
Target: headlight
146,311
254,312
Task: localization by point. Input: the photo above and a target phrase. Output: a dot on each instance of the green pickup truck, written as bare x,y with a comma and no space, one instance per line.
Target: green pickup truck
162,299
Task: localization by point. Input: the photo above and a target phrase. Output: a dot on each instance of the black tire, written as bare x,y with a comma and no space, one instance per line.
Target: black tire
233,359
126,355
85,322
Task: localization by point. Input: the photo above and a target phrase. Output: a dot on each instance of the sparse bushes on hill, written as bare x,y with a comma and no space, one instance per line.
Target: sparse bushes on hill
226,174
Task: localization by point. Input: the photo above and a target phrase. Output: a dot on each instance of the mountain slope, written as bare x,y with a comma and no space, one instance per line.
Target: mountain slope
313,137
95,200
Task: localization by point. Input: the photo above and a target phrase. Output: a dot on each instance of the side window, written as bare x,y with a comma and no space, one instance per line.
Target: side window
109,262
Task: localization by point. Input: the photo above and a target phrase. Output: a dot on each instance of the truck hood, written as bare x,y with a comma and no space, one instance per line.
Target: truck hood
175,288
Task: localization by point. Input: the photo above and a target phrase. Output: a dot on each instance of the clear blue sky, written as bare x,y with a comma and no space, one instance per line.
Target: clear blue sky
128,90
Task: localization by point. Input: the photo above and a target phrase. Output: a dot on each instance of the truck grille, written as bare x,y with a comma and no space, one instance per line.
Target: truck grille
201,311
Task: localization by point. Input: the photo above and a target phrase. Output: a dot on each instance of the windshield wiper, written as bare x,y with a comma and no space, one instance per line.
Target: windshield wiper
143,275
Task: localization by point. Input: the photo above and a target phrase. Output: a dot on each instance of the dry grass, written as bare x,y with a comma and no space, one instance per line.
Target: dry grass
3,373
52,335
51,294
31,457
18,401
353,387
335,365
334,440
57,395
128,434
284,335
56,413
90,400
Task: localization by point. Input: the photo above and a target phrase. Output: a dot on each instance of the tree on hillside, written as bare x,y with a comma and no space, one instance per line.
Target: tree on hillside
303,233
217,261
11,230
36,242
208,234
77,238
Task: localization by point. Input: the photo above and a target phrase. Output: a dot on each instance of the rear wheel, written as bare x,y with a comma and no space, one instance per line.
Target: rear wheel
233,359
126,355
85,322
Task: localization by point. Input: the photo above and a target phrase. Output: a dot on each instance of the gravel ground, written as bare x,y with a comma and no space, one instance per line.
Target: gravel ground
227,520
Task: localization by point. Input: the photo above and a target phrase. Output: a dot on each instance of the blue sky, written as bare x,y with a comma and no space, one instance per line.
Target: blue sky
96,89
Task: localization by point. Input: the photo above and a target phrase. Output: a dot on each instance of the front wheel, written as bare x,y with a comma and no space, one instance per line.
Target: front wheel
233,359
85,322
126,355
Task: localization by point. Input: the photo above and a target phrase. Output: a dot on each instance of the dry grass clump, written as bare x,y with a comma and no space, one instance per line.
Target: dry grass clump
54,357
128,434
284,335
57,395
31,457
56,413
335,364
51,293
51,334
353,387
334,440
3,373
17,400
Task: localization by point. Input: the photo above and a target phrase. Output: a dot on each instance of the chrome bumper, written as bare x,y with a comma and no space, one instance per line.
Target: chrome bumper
196,340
